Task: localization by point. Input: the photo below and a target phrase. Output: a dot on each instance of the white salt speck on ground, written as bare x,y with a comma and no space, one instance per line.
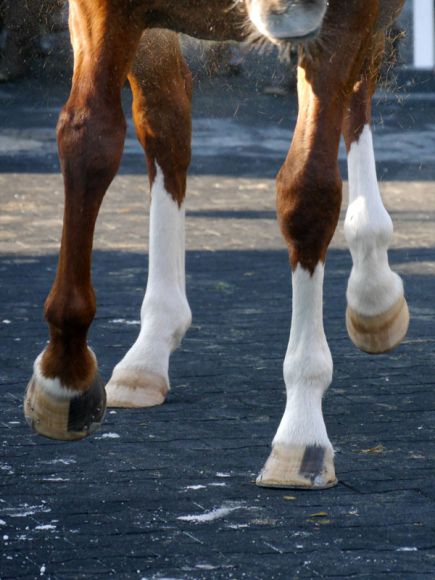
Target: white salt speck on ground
2,523
212,515
42,571
25,510
124,321
194,487
45,527
5,467
63,461
161,578
220,474
6,321
218,484
108,436
55,479
407,549
5,537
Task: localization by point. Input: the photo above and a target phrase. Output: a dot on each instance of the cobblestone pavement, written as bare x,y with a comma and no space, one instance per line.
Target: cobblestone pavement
168,492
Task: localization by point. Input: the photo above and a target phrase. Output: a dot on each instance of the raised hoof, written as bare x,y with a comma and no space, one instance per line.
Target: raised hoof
62,417
136,389
299,467
381,333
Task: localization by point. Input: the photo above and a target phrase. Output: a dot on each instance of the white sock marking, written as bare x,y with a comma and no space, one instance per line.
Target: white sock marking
307,364
373,288
165,312
55,387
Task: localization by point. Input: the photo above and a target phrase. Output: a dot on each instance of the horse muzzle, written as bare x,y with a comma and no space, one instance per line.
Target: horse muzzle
287,20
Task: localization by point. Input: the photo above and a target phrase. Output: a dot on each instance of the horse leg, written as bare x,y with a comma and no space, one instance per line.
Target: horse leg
377,315
161,85
65,398
308,203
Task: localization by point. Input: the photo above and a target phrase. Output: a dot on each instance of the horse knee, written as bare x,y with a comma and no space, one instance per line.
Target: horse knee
308,206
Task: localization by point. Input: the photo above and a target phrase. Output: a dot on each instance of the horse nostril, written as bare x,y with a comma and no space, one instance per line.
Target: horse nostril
281,7
278,11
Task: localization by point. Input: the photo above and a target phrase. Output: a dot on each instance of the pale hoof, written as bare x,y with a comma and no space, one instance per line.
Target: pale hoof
62,417
136,389
381,333
300,467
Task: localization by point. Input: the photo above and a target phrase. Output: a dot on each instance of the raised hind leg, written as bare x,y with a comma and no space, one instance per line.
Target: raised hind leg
65,398
308,201
161,87
377,315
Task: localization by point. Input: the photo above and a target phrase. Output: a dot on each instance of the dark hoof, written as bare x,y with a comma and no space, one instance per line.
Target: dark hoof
62,417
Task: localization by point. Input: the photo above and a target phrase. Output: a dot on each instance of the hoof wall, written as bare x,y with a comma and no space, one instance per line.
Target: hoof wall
298,467
64,418
136,389
381,333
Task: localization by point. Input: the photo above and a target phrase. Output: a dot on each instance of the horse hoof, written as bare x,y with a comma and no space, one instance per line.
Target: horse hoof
381,333
298,467
60,416
136,388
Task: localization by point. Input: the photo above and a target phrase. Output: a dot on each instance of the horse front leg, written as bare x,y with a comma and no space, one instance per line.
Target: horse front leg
161,87
377,315
308,201
65,398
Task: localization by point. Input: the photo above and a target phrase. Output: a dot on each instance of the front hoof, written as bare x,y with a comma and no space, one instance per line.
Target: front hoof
136,388
62,416
380,333
298,467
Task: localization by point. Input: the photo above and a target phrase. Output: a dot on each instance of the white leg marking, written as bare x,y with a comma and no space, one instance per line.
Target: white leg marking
307,365
165,312
54,387
373,288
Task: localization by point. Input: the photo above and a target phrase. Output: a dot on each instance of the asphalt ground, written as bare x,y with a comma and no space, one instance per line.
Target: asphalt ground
168,492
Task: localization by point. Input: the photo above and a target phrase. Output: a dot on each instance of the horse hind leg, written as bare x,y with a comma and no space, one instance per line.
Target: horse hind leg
377,315
65,398
161,86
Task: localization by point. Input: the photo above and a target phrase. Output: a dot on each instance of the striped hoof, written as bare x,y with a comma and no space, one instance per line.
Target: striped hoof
300,467
60,416
136,389
381,333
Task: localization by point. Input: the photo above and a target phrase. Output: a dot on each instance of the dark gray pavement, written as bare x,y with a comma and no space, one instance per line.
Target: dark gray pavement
168,492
